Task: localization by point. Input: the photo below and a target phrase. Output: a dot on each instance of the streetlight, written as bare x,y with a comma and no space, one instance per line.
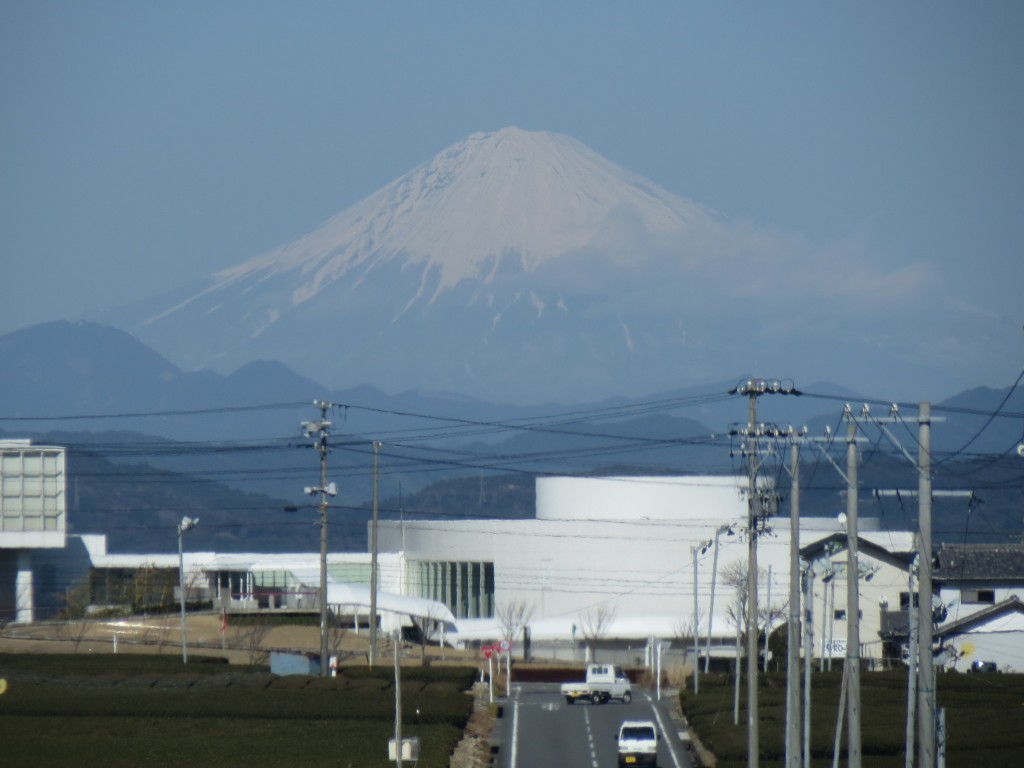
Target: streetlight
186,524
700,549
711,611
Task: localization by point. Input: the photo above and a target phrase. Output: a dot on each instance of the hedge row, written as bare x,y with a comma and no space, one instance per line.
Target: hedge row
984,716
128,710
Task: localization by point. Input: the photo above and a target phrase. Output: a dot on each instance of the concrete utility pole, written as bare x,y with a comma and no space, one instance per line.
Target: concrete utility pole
911,666
373,564
808,659
739,655
753,513
320,429
767,619
918,656
926,669
754,389
851,671
398,701
925,616
793,626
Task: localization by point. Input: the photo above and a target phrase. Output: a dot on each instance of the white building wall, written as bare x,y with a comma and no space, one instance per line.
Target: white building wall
33,518
880,591
33,512
953,596
999,641
640,567
691,498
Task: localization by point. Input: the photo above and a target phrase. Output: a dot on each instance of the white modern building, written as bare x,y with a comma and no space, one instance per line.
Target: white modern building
33,519
608,562
246,582
618,560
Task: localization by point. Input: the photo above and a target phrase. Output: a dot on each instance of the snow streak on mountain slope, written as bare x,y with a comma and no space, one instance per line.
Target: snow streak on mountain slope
532,196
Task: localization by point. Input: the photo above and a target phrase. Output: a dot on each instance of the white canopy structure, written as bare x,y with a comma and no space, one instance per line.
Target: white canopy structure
571,629
357,596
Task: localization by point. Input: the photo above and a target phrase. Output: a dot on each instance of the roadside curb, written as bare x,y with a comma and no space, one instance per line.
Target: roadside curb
701,757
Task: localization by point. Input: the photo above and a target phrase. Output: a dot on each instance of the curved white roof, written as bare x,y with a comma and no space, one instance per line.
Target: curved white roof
633,498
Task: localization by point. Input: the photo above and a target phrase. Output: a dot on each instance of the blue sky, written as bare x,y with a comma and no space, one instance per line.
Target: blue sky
145,145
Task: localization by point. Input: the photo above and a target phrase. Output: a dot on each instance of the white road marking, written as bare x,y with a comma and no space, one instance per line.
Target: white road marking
590,739
661,725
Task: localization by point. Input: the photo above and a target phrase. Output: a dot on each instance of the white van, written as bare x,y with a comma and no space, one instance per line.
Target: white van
638,743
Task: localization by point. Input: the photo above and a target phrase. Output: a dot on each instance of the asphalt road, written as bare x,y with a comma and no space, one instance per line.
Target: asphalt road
539,730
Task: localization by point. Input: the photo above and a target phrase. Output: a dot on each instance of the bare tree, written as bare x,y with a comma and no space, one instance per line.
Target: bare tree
336,631
249,637
682,630
594,625
428,626
735,575
77,619
513,618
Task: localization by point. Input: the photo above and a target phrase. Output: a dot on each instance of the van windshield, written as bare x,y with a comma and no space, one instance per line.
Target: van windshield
636,733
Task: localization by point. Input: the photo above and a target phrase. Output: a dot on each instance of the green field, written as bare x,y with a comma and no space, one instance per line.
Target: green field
100,710
984,717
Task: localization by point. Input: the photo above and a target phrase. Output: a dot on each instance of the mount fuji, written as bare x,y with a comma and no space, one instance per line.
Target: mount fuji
514,266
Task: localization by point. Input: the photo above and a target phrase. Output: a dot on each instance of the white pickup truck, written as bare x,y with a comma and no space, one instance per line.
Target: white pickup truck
603,683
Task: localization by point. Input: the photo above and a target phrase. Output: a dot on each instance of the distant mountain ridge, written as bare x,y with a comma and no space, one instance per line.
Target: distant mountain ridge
241,431
63,368
70,371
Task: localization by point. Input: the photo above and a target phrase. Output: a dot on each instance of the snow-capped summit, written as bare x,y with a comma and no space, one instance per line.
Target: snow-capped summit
504,252
531,196
522,266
